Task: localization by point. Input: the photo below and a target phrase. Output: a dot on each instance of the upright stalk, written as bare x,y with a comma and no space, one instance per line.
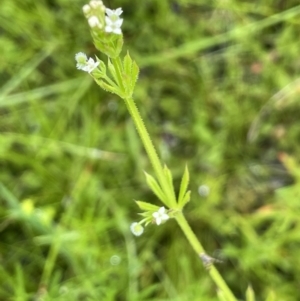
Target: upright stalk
196,245
142,131
191,237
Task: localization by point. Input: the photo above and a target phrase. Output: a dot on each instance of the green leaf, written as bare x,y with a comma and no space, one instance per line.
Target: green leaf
108,87
130,75
112,71
127,78
169,177
147,206
155,188
185,199
102,66
134,74
127,63
271,296
183,187
250,294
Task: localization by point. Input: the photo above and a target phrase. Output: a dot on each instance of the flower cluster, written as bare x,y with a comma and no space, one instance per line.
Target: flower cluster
95,14
113,21
158,217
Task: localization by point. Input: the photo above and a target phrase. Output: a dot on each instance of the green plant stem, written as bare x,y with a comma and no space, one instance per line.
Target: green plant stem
191,237
196,245
131,106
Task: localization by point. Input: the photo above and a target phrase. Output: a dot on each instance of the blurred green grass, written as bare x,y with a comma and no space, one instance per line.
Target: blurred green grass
218,89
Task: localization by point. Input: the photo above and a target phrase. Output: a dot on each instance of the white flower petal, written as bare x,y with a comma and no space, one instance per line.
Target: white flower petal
118,23
94,22
158,221
114,12
161,210
118,11
155,214
108,21
108,29
164,217
117,31
80,55
109,12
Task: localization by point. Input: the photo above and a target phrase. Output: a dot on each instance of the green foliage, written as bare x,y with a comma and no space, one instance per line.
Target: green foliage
156,189
184,195
219,89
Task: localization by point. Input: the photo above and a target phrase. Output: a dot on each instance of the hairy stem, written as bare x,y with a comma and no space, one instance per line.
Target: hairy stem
150,151
191,237
196,245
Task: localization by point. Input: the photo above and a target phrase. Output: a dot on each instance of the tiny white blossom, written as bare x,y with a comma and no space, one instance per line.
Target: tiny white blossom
114,27
90,66
85,64
136,229
81,59
86,9
113,21
160,216
94,22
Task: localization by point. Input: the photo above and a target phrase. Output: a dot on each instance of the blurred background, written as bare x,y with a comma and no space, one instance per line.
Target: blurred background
219,91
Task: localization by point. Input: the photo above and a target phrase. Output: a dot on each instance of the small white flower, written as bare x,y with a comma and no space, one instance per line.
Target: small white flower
160,216
113,21
86,9
94,22
84,64
114,27
136,229
81,59
90,66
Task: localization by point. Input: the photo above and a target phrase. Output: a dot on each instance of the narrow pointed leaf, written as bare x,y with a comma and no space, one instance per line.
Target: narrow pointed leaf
102,66
134,74
155,188
112,71
147,206
271,296
169,177
185,199
127,63
108,87
144,214
183,186
250,294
